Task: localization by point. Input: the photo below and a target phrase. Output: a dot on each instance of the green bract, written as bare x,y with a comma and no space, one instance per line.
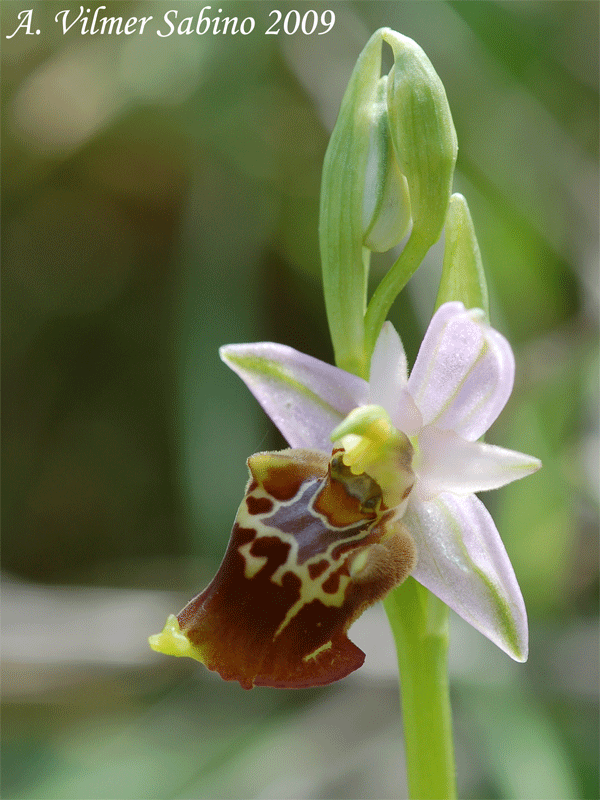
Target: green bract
463,277
345,266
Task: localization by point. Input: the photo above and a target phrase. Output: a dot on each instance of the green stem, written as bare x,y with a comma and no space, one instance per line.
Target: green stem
391,285
419,620
419,623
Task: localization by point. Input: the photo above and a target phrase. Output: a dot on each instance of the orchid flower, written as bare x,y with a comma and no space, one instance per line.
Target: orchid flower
397,496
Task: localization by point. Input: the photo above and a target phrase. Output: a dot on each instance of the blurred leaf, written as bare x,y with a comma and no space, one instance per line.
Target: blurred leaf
537,517
219,300
524,751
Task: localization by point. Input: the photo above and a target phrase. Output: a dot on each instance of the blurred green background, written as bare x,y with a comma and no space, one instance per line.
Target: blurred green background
160,198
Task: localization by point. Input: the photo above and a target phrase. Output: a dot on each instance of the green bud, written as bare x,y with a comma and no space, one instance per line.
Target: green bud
391,155
423,134
424,141
463,277
386,202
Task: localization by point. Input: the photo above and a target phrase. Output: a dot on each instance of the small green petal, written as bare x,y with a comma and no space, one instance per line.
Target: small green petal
463,277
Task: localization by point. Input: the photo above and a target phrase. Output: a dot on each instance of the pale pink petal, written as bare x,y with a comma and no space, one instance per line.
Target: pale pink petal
306,398
405,415
462,560
449,463
464,372
389,368
388,379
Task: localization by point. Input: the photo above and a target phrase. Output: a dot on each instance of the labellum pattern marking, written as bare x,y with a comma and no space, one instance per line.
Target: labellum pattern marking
312,539
277,612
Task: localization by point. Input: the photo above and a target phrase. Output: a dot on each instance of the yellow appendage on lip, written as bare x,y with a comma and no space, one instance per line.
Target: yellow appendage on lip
173,642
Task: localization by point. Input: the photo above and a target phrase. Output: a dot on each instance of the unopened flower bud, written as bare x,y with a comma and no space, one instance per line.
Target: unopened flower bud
386,201
423,134
391,157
